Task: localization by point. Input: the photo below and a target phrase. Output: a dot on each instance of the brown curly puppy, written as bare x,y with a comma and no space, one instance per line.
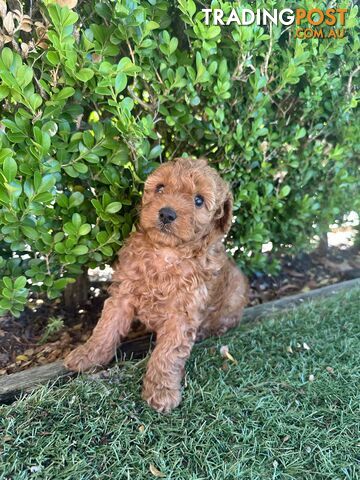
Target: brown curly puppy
174,276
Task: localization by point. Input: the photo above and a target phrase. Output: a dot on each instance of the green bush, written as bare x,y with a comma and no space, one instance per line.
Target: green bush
93,99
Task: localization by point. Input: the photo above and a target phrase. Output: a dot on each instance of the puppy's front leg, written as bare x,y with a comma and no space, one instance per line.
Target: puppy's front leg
166,366
113,325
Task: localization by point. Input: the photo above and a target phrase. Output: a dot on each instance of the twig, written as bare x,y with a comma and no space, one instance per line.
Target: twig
145,105
131,51
42,92
351,76
267,57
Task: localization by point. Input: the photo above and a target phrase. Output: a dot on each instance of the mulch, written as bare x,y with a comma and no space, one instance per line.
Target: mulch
24,342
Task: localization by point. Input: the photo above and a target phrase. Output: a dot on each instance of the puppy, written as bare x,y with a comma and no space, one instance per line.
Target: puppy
174,276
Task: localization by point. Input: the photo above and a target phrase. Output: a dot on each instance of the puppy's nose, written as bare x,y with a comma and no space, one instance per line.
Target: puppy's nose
167,215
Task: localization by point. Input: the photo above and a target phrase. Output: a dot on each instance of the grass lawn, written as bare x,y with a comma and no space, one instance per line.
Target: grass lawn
289,409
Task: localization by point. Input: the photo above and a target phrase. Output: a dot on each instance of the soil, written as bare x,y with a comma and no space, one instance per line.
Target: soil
24,342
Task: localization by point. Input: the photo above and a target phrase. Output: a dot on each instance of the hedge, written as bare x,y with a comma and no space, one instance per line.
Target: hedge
94,98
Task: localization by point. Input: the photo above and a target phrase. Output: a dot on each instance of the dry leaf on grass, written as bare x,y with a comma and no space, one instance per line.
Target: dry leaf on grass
156,472
306,346
224,352
311,378
141,428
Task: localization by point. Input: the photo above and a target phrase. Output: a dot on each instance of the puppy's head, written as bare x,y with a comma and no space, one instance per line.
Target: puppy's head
185,201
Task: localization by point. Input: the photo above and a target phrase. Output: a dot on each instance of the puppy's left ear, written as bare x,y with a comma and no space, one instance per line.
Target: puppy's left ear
223,216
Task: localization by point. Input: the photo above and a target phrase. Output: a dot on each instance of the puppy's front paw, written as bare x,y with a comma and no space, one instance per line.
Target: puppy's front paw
79,359
161,399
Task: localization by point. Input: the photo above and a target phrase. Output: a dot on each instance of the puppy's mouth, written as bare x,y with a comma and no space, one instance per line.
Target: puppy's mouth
165,228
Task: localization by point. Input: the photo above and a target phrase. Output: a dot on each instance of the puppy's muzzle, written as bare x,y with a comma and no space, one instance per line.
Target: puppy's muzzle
167,215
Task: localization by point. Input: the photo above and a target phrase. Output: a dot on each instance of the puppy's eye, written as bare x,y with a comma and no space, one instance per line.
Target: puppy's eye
199,201
159,188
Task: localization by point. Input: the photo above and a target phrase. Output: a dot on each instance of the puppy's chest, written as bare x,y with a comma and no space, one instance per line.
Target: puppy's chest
165,272
174,289
163,279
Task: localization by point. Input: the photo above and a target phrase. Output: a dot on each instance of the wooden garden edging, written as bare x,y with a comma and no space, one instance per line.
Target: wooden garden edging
11,386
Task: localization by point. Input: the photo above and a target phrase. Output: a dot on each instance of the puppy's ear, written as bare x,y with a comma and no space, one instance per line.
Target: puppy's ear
223,216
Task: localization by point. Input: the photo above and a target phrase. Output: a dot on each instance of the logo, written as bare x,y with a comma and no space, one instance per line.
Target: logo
313,23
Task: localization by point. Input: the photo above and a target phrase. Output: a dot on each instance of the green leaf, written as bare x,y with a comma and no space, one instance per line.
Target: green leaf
126,66
7,57
8,282
80,250
151,25
300,133
50,128
85,74
4,153
106,250
76,220
284,192
102,237
76,199
85,229
24,75
29,232
47,182
61,283
120,82
10,169
213,32
20,282
62,200
44,197
173,45
80,167
35,101
58,237
155,152
53,58
113,207
4,92
65,93
5,305
191,7
59,248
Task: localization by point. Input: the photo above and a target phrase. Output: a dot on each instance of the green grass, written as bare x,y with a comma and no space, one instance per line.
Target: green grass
259,419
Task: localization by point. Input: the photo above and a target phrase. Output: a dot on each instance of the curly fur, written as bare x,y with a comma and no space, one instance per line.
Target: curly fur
175,278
